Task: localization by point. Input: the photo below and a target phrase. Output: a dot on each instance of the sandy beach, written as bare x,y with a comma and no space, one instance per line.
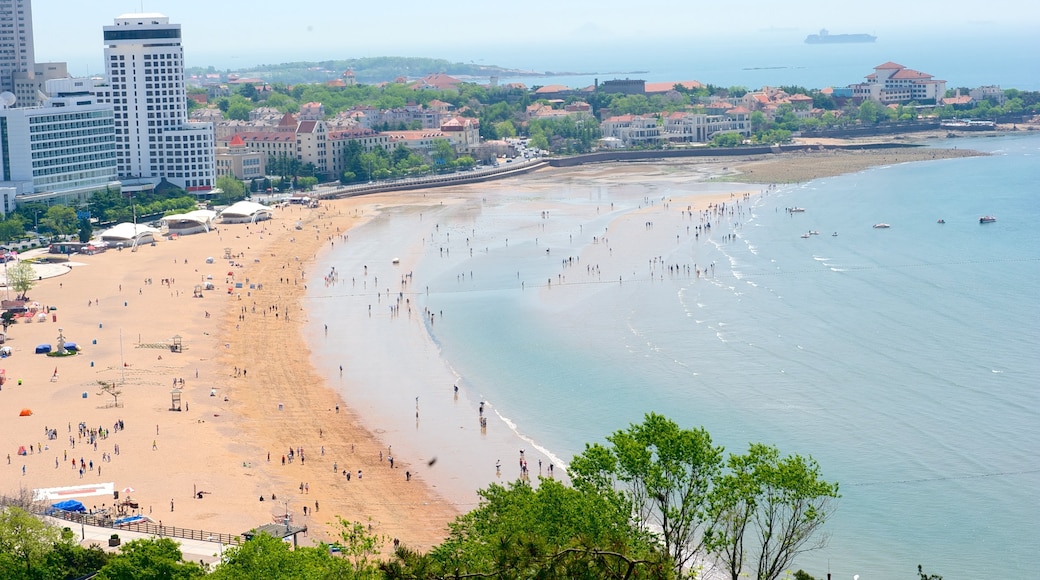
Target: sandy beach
251,390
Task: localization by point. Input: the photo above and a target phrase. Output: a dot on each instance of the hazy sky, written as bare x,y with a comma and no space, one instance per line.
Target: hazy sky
233,33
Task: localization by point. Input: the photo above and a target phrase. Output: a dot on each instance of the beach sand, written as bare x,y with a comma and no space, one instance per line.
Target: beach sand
248,349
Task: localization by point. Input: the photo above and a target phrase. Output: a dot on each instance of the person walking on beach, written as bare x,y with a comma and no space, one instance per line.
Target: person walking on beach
154,445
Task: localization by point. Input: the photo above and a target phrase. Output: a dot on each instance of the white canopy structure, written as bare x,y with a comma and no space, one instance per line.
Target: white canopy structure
193,222
127,232
245,212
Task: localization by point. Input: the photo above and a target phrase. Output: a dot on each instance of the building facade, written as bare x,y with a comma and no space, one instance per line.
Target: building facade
892,83
154,139
238,161
62,151
16,41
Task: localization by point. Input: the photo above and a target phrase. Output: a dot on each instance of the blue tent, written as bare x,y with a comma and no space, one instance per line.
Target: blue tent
43,348
69,505
71,346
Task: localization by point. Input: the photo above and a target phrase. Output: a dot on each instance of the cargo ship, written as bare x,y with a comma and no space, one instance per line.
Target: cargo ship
825,37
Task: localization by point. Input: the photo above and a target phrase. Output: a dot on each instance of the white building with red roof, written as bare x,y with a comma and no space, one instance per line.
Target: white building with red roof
894,83
239,161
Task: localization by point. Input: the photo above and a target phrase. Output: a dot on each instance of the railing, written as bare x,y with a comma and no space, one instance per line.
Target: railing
142,527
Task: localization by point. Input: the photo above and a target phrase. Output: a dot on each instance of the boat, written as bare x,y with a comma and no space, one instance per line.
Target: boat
941,221
814,233
881,226
987,219
967,125
825,37
805,235
796,209
834,234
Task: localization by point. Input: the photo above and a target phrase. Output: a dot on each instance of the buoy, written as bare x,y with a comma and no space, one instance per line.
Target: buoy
91,364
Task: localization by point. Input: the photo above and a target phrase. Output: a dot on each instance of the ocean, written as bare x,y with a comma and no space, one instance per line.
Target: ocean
904,360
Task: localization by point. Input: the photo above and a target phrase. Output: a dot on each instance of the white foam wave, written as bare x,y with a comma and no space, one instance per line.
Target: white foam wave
512,427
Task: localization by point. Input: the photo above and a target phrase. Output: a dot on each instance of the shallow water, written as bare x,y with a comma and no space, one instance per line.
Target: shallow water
904,360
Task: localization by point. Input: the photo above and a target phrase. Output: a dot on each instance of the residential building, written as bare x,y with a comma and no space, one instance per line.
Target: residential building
238,161
633,130
894,83
683,127
31,87
59,152
463,132
154,139
16,41
993,93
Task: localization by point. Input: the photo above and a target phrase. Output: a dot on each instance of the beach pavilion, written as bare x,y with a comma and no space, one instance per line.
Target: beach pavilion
193,222
129,234
245,212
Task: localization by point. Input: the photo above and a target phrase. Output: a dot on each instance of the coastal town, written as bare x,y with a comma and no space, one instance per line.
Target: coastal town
162,232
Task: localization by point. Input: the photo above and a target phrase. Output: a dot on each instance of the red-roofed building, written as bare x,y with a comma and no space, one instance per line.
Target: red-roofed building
439,81
239,161
665,87
894,83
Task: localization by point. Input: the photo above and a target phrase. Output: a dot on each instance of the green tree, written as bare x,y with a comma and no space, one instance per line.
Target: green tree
232,189
59,219
25,541
667,475
12,228
554,531
22,277
767,509
86,229
150,559
239,112
268,557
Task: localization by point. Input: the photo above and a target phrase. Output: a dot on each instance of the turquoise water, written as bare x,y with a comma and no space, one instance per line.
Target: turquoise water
904,360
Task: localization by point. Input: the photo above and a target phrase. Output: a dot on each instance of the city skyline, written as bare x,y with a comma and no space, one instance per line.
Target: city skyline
230,35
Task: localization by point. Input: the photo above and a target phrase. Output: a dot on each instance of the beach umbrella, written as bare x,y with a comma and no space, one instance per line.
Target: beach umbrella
128,490
25,413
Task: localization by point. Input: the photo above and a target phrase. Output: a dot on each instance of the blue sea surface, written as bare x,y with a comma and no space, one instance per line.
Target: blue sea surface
904,360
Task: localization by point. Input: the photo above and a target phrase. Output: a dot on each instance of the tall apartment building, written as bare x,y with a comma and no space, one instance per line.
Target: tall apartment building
154,139
16,41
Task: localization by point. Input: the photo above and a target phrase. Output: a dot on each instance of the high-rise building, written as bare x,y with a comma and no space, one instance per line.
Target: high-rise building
16,42
145,63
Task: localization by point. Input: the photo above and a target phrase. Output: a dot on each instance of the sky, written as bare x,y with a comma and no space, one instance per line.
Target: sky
238,33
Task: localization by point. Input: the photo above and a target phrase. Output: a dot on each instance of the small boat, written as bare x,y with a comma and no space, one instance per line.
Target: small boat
987,219
814,233
941,221
834,234
796,210
881,226
395,261
805,235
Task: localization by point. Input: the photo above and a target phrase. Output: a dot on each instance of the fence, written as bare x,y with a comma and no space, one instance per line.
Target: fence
142,527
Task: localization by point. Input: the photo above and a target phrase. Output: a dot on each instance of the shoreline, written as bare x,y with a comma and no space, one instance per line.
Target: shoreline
220,446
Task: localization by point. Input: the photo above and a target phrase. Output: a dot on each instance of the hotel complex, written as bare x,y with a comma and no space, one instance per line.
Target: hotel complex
60,152
154,139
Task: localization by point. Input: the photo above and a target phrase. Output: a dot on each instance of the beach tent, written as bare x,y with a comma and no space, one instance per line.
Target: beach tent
71,346
25,413
69,505
22,451
43,348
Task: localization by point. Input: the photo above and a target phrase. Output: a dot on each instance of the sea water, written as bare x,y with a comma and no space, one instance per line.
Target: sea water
904,360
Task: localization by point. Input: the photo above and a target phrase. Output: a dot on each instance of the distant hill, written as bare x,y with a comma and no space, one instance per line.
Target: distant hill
368,70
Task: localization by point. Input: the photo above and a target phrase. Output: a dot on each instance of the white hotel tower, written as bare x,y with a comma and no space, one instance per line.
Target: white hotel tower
154,139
